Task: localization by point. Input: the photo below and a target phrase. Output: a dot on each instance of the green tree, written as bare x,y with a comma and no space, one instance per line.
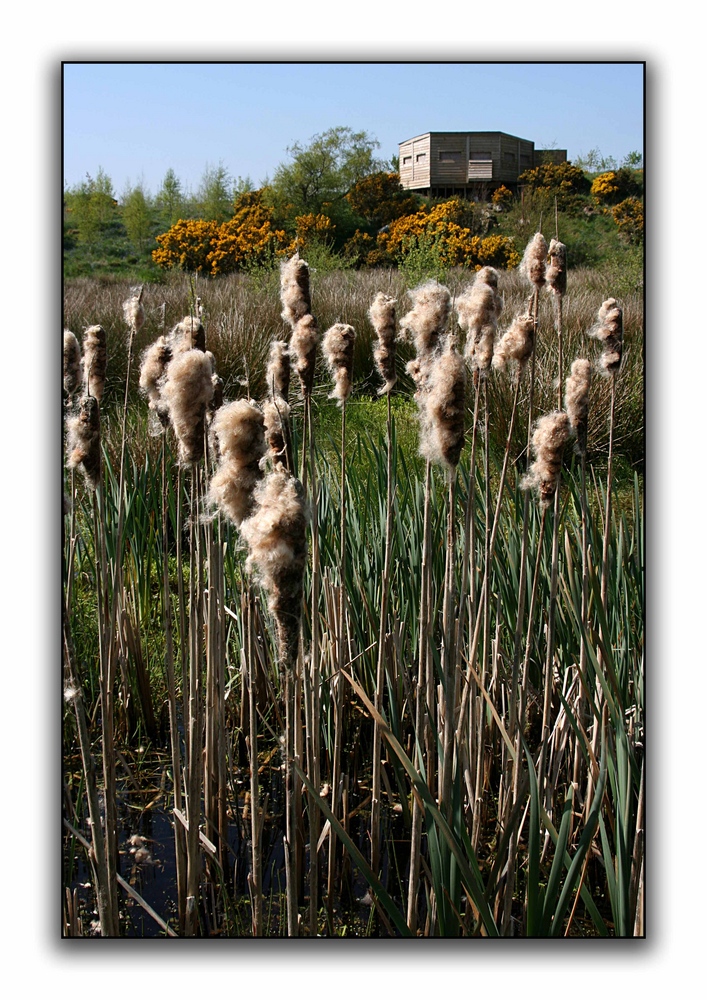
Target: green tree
322,173
137,217
170,199
215,194
91,207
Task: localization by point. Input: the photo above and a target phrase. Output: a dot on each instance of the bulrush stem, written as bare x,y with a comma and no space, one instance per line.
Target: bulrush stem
520,722
604,592
255,878
338,687
550,650
179,844
314,666
194,776
422,723
448,660
380,666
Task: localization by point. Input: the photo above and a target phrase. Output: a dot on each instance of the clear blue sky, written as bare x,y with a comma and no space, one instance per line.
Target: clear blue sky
135,120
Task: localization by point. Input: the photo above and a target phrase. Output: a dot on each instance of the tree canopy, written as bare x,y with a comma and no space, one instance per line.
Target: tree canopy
325,170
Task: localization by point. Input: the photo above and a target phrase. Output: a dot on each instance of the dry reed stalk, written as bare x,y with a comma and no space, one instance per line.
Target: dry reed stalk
422,724
315,671
382,316
94,361
177,776
277,551
72,365
255,877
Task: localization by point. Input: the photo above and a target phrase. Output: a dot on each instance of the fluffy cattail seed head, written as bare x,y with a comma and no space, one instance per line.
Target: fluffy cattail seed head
152,369
278,370
133,310
442,412
516,344
382,316
276,535
556,270
478,311
83,440
72,364
94,361
239,430
577,400
549,439
609,330
187,390
276,413
303,351
294,289
188,335
338,347
427,320
534,261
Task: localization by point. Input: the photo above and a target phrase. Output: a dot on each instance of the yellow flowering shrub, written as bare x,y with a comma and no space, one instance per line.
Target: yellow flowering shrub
453,242
604,187
313,228
186,245
502,196
248,239
628,216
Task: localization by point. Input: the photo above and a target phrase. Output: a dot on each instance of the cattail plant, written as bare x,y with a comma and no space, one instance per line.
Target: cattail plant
425,324
72,364
552,433
94,361
577,389
515,346
338,347
303,352
187,390
478,311
556,269
294,290
239,428
188,335
608,330
277,376
152,371
534,262
83,441
134,311
276,536
382,316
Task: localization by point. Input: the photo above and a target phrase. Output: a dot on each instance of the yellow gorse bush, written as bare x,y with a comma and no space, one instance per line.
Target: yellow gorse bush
604,187
628,216
186,245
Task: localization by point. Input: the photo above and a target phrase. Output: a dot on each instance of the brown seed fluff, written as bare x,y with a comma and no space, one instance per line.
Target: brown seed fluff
187,390
294,289
382,316
276,535
478,311
277,413
303,351
556,270
278,371
83,440
577,400
549,439
72,364
427,320
442,412
609,330
134,311
188,335
516,344
152,369
94,361
239,429
534,261
338,347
